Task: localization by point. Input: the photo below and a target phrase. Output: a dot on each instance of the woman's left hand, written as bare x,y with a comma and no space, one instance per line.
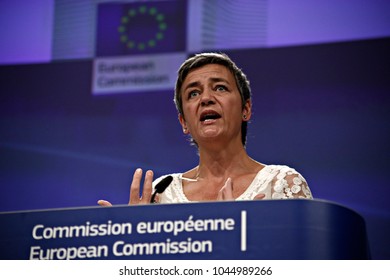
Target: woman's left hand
226,192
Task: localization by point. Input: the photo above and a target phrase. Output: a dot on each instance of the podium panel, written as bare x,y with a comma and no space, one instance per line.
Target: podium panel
269,229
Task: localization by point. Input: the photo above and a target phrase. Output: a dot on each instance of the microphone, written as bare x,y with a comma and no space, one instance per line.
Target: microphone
161,186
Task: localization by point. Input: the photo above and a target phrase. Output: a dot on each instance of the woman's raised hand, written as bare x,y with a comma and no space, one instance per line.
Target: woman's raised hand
226,192
136,197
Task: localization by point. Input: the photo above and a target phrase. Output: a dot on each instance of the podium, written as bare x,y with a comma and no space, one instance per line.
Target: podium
270,229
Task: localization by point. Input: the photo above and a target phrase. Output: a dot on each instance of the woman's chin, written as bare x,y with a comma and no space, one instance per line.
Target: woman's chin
210,132
209,137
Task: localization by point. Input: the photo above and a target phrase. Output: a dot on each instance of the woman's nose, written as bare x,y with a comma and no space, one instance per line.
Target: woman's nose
207,98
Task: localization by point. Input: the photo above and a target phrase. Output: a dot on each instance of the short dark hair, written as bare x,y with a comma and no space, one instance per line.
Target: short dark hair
202,59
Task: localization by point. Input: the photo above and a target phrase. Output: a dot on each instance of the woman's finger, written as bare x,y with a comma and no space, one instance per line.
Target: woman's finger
104,203
147,189
226,192
157,199
135,187
259,196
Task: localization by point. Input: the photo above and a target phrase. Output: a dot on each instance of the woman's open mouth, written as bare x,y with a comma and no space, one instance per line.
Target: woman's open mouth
209,116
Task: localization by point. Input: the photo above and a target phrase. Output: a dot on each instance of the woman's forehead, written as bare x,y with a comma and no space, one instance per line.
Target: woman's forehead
209,71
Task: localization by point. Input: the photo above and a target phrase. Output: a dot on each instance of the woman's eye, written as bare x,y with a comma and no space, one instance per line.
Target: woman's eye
193,94
220,88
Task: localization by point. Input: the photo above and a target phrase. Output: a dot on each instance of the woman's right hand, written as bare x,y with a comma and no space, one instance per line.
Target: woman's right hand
136,197
104,203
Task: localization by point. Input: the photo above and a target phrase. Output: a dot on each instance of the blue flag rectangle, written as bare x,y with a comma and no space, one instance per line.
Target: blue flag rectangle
141,28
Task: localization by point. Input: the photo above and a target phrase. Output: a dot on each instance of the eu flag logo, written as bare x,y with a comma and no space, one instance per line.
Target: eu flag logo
141,28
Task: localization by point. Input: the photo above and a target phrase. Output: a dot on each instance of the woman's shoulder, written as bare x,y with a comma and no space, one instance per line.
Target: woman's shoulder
283,173
280,169
287,182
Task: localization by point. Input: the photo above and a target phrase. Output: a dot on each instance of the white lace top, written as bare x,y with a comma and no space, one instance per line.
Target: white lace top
275,181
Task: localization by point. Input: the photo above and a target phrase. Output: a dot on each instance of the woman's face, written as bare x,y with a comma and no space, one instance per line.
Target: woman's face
212,106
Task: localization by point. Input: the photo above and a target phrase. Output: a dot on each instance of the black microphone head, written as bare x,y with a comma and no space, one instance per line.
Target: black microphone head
163,184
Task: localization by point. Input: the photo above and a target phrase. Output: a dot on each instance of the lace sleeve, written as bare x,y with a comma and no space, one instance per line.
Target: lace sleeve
290,184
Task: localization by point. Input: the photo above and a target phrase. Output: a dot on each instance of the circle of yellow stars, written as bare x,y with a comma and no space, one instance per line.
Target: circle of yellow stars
150,42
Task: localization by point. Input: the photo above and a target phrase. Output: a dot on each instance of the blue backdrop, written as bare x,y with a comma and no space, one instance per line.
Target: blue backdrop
322,109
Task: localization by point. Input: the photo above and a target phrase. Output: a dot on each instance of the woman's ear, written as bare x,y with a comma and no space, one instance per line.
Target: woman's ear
247,111
183,124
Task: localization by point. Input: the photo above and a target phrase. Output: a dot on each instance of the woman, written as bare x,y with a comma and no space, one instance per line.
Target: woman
213,99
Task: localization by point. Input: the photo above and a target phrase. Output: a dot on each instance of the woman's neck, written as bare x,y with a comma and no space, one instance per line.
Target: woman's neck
216,165
225,161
